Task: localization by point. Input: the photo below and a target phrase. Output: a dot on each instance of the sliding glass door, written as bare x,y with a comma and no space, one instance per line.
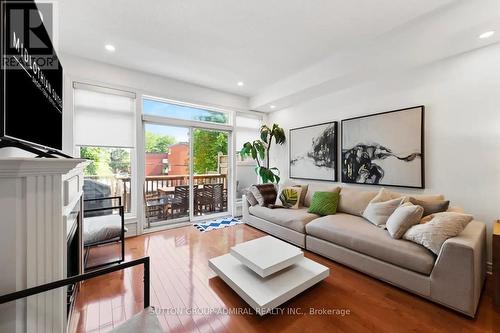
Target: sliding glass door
186,173
211,165
167,174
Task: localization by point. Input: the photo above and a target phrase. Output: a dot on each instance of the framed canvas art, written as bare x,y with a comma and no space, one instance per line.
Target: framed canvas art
313,152
385,148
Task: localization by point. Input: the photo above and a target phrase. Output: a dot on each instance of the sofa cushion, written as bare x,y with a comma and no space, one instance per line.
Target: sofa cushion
313,188
324,203
353,201
422,197
294,219
438,229
290,183
265,194
378,212
251,198
357,234
404,217
289,197
431,207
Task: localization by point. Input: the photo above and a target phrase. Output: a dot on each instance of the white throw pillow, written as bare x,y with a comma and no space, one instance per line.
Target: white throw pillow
378,212
289,197
403,218
441,226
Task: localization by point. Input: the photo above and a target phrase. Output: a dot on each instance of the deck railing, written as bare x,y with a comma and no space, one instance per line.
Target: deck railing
120,186
152,183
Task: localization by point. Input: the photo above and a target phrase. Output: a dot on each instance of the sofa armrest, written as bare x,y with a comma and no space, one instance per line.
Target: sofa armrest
245,205
459,272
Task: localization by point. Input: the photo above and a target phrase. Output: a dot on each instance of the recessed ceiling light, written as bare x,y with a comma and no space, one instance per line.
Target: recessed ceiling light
487,34
272,106
109,48
240,84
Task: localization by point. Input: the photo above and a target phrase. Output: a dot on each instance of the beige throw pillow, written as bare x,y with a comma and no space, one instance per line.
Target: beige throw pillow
441,226
251,198
378,212
403,218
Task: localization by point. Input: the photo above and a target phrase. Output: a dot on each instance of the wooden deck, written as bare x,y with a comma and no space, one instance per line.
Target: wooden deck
181,279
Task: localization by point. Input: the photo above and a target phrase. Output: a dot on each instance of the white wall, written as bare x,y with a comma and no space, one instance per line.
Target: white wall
462,124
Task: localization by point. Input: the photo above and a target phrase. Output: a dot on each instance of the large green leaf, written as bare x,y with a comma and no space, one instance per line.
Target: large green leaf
260,148
268,175
279,135
246,150
265,132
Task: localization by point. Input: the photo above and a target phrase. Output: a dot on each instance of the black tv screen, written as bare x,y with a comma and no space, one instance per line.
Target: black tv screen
32,76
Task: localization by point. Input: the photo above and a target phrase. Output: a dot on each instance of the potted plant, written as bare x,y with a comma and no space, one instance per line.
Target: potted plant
259,151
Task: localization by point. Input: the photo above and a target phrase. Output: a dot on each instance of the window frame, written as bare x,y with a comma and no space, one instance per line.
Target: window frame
136,218
192,122
133,209
73,83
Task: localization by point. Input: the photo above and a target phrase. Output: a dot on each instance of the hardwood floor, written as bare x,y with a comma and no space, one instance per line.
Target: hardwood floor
181,278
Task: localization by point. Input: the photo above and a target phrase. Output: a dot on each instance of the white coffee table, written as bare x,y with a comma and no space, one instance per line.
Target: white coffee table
266,272
267,255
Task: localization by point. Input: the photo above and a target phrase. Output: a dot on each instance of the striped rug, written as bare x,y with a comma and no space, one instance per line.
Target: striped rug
217,224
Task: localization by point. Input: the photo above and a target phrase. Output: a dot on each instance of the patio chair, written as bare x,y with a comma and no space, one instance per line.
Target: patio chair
103,229
155,206
210,198
181,204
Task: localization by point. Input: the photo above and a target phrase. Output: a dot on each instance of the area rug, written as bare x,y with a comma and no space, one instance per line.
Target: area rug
217,224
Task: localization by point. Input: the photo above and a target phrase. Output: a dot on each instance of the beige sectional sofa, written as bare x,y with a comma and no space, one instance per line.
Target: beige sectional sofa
454,278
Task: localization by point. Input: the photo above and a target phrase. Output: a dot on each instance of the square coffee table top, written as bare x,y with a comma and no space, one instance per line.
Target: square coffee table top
266,255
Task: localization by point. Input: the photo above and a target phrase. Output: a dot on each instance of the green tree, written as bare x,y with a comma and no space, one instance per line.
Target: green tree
119,161
207,145
158,143
100,158
213,117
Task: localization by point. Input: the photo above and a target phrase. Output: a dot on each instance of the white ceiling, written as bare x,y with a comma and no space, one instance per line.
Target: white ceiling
217,43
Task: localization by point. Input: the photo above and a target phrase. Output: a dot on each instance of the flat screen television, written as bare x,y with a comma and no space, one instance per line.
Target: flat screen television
31,76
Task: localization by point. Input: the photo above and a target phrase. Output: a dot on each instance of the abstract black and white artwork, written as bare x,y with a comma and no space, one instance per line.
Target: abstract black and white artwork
313,152
384,148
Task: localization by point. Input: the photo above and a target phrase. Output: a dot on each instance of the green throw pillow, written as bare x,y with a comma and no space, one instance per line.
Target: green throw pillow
324,203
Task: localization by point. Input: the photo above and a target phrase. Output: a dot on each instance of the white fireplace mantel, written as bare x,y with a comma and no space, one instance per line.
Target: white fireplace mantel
36,197
23,166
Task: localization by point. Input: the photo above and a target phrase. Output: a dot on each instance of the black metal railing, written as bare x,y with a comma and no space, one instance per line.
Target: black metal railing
86,276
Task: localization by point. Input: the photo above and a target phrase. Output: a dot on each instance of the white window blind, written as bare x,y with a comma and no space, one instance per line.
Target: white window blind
103,116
